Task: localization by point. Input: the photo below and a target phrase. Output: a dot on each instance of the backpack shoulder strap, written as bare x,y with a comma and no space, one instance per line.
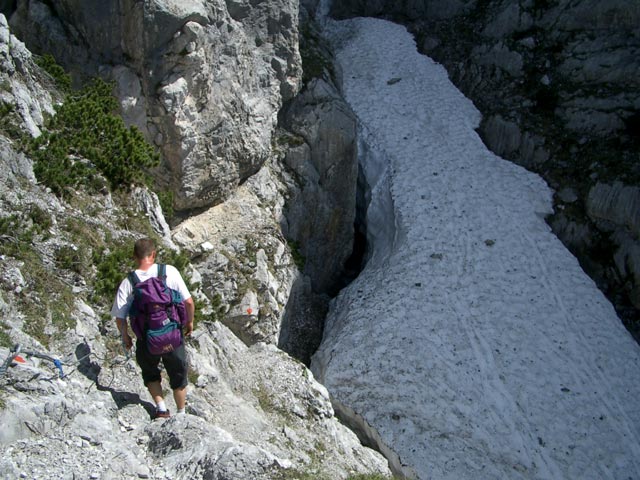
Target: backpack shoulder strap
133,278
162,272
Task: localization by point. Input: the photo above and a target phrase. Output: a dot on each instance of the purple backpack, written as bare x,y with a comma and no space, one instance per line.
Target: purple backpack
157,313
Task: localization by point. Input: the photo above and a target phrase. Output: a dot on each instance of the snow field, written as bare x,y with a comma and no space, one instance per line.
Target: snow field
472,341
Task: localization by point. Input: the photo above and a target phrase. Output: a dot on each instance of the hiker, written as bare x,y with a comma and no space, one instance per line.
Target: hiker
174,360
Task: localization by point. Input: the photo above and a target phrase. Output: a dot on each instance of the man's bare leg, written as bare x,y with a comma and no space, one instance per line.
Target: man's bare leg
180,396
155,389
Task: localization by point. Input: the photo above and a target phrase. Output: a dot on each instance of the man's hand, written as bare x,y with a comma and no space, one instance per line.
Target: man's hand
191,310
127,341
188,328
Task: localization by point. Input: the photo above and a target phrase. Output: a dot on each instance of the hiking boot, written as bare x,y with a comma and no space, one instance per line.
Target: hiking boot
161,414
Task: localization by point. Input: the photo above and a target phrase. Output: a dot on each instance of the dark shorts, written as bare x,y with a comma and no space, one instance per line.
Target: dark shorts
175,363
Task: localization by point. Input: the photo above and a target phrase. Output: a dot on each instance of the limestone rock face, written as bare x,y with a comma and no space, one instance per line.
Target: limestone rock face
248,267
21,83
320,216
616,208
505,136
253,413
203,80
321,153
243,259
617,204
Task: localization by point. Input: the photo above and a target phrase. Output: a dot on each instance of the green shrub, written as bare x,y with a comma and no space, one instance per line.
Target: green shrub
46,298
5,339
10,121
180,260
16,237
218,309
49,65
298,258
84,233
112,267
72,258
166,203
40,219
85,138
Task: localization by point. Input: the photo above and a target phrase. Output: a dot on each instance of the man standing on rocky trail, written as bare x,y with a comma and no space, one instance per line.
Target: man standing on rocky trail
174,361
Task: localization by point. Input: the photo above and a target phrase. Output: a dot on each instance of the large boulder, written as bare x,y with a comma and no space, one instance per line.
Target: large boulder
203,80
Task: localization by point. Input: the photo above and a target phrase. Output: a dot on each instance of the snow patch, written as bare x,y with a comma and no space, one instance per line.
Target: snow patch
472,341
381,219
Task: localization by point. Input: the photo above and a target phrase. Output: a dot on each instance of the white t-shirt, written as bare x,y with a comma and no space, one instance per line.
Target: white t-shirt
124,297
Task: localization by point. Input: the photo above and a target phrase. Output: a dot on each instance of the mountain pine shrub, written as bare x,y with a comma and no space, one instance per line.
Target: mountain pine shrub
60,77
86,138
112,267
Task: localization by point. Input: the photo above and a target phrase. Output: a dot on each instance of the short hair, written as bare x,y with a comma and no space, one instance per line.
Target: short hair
143,248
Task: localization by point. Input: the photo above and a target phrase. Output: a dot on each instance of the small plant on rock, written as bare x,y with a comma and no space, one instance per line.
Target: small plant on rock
298,258
5,339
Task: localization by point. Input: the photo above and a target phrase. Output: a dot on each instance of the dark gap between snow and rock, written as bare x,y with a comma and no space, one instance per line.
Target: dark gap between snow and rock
375,230
358,258
305,315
